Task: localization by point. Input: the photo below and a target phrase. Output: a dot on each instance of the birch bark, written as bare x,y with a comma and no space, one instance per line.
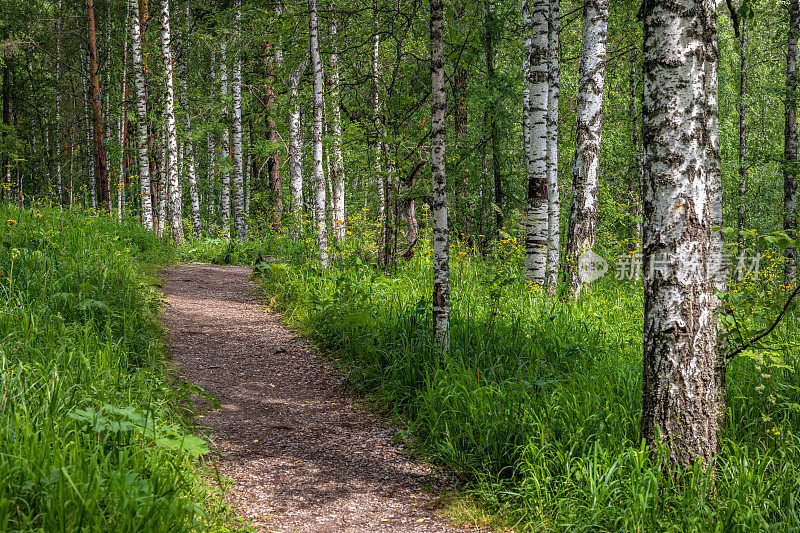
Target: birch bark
141,116
790,144
296,141
681,403
319,103
171,133
239,221
225,178
336,125
553,192
441,249
536,29
578,267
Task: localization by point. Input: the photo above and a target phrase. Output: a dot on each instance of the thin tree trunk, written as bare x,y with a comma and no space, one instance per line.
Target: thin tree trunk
225,179
239,221
212,174
141,117
90,167
553,192
790,144
578,267
59,185
338,178
6,166
273,159
376,112
123,121
100,161
680,401
296,142
319,103
492,111
535,118
171,160
740,210
441,249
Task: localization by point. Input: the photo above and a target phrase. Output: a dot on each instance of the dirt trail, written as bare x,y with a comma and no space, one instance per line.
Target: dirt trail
303,455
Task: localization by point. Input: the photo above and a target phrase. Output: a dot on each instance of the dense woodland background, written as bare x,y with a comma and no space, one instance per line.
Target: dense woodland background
305,137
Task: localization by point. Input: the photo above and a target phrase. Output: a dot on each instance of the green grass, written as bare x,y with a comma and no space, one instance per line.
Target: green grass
90,435
538,407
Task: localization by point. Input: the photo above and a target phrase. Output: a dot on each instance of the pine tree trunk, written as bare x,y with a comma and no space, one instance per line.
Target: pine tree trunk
239,221
790,144
680,397
171,159
338,178
141,117
225,178
319,104
100,160
441,248
553,192
536,30
582,230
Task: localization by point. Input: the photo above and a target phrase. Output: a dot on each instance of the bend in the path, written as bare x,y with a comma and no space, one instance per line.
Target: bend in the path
302,455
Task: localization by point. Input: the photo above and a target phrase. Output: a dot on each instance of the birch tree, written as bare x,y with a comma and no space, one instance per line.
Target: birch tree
296,141
336,125
225,177
171,134
535,124
586,168
141,117
319,104
239,221
679,390
441,249
790,143
553,192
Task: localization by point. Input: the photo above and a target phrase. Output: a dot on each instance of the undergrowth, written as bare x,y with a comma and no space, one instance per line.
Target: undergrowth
90,437
538,406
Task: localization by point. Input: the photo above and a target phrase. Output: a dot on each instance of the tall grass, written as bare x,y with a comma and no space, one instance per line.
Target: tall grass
90,438
538,406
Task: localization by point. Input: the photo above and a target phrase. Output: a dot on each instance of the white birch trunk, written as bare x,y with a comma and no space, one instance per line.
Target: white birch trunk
790,144
336,124
296,142
578,268
141,117
225,178
679,389
536,149
123,115
441,249
171,162
553,192
319,103
239,221
212,173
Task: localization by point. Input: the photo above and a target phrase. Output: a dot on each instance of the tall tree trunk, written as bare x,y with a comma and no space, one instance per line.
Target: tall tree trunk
141,116
680,401
535,118
296,142
553,192
441,248
100,161
336,125
790,144
578,267
494,136
273,159
91,183
212,173
225,178
239,221
122,122
740,210
194,198
171,160
319,104
380,179
59,180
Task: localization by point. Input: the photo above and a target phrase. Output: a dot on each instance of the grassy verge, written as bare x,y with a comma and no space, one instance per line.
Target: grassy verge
538,407
90,438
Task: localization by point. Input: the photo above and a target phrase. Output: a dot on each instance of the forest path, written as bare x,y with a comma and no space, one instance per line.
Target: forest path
302,454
